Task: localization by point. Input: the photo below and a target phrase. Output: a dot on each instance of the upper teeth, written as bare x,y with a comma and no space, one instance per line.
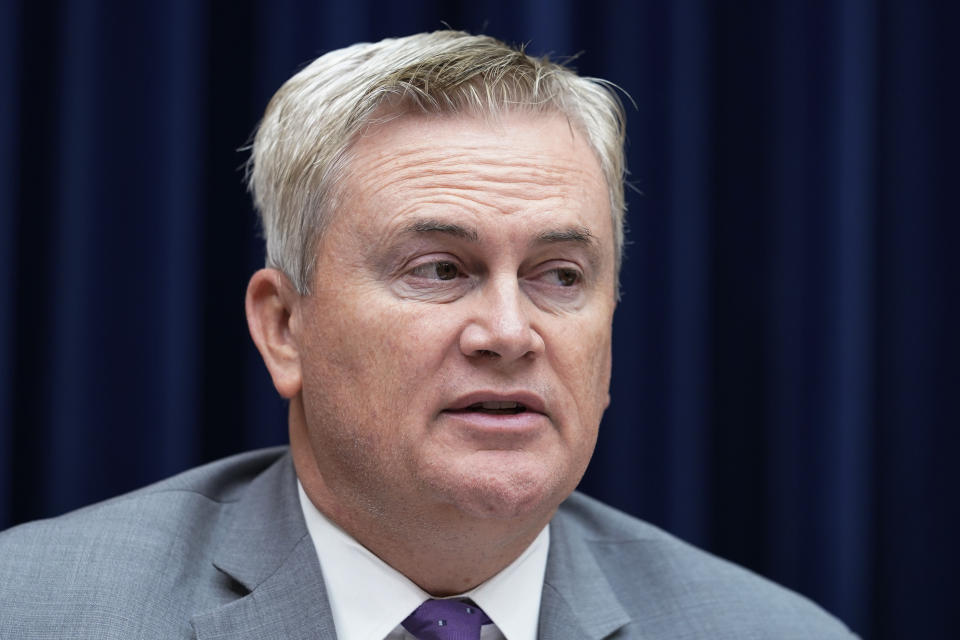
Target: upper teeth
497,405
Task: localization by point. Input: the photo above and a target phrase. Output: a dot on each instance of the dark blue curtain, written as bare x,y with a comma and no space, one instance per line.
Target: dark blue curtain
785,380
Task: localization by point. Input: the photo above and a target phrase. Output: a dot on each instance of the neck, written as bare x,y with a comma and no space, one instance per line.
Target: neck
440,549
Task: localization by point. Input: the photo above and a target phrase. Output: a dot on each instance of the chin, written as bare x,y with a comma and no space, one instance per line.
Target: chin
519,491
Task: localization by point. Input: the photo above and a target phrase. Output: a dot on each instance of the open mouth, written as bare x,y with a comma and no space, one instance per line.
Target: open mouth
496,408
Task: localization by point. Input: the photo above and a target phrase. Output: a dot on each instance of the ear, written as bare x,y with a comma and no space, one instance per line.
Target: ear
271,301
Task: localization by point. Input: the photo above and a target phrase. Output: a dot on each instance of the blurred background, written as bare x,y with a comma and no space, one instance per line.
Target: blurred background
785,388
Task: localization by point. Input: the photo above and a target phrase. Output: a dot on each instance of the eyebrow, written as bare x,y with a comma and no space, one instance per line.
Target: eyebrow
577,235
436,226
574,235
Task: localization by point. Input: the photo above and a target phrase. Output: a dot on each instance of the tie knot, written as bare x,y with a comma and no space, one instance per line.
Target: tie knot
446,620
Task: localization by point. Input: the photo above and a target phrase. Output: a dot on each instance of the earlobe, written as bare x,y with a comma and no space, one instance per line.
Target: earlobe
270,307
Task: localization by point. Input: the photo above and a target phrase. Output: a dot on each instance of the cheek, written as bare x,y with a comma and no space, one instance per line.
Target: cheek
375,351
368,388
584,362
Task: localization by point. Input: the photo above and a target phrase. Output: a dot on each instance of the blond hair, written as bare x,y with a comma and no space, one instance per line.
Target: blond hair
301,145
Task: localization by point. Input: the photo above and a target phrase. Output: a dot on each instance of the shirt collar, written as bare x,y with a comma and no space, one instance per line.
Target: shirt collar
369,598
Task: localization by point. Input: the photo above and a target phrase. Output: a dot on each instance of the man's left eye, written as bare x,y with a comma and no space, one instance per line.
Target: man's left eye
441,270
566,277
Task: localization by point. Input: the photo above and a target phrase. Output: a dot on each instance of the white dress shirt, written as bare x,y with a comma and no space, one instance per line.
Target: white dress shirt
369,598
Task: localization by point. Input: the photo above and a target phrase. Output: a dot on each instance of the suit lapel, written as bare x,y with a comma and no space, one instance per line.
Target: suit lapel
577,600
270,558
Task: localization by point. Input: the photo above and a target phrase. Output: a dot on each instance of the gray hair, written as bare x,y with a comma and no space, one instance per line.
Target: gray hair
302,144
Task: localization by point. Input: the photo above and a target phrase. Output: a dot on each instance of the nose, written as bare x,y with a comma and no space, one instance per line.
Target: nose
500,326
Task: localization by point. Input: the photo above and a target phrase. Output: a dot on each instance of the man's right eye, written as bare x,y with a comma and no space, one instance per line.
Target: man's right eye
440,270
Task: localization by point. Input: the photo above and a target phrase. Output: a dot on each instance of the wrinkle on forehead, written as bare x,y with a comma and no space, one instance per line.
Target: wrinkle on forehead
488,160
472,162
518,177
508,188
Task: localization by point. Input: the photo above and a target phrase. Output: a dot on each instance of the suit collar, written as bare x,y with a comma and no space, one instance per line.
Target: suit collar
578,601
266,551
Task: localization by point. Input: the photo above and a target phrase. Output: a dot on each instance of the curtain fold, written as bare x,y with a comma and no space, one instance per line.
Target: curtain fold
9,175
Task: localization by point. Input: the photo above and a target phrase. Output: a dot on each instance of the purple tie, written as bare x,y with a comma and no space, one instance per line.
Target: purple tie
446,620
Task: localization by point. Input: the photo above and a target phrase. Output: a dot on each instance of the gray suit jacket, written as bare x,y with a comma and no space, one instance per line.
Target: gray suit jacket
222,551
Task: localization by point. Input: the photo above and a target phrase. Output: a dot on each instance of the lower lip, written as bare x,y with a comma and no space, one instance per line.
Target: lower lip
503,423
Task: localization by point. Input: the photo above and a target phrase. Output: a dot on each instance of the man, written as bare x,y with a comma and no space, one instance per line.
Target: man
443,218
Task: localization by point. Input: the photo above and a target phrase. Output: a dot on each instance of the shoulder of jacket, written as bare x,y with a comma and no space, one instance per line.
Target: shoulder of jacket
691,587
110,564
220,481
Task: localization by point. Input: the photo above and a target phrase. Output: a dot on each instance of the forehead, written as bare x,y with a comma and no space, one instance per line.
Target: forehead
537,165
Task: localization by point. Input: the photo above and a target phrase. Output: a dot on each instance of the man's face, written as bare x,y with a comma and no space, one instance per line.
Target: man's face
455,348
